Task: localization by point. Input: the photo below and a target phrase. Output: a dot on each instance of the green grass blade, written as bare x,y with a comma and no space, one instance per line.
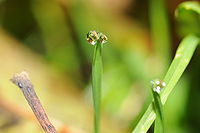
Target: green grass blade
158,108
96,84
193,6
188,18
160,28
179,64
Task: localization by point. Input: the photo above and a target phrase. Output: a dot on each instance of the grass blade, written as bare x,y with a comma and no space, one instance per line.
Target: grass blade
158,128
97,39
96,84
188,18
160,28
157,105
179,64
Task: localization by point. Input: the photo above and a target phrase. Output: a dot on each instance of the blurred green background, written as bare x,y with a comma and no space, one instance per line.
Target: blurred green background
47,38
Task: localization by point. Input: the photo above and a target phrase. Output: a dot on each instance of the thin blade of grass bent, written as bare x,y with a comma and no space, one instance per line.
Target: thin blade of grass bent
179,64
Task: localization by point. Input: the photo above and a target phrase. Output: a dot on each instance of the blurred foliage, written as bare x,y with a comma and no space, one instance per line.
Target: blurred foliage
188,18
47,38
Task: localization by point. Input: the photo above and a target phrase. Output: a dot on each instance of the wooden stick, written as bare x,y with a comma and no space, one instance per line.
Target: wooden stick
22,80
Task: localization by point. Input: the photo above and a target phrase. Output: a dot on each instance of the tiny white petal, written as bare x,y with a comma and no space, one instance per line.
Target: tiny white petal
157,82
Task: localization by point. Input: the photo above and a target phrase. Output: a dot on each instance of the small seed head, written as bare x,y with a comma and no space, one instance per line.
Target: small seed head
93,37
158,85
102,38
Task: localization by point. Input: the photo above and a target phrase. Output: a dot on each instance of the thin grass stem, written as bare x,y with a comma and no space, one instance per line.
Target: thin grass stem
96,84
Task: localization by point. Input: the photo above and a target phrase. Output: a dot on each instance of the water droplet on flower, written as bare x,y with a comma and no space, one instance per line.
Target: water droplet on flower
158,85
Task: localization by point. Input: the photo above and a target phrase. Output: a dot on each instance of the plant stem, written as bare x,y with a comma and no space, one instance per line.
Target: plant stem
179,64
23,82
96,84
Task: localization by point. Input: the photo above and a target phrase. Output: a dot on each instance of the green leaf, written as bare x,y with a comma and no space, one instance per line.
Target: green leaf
96,84
158,108
179,64
188,18
160,31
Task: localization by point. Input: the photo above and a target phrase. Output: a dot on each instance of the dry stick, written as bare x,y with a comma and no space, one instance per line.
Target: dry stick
22,80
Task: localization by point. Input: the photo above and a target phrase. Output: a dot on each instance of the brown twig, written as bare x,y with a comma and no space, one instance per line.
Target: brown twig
23,82
17,111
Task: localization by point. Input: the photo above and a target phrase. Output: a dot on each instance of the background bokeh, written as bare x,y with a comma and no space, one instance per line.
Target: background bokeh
47,38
